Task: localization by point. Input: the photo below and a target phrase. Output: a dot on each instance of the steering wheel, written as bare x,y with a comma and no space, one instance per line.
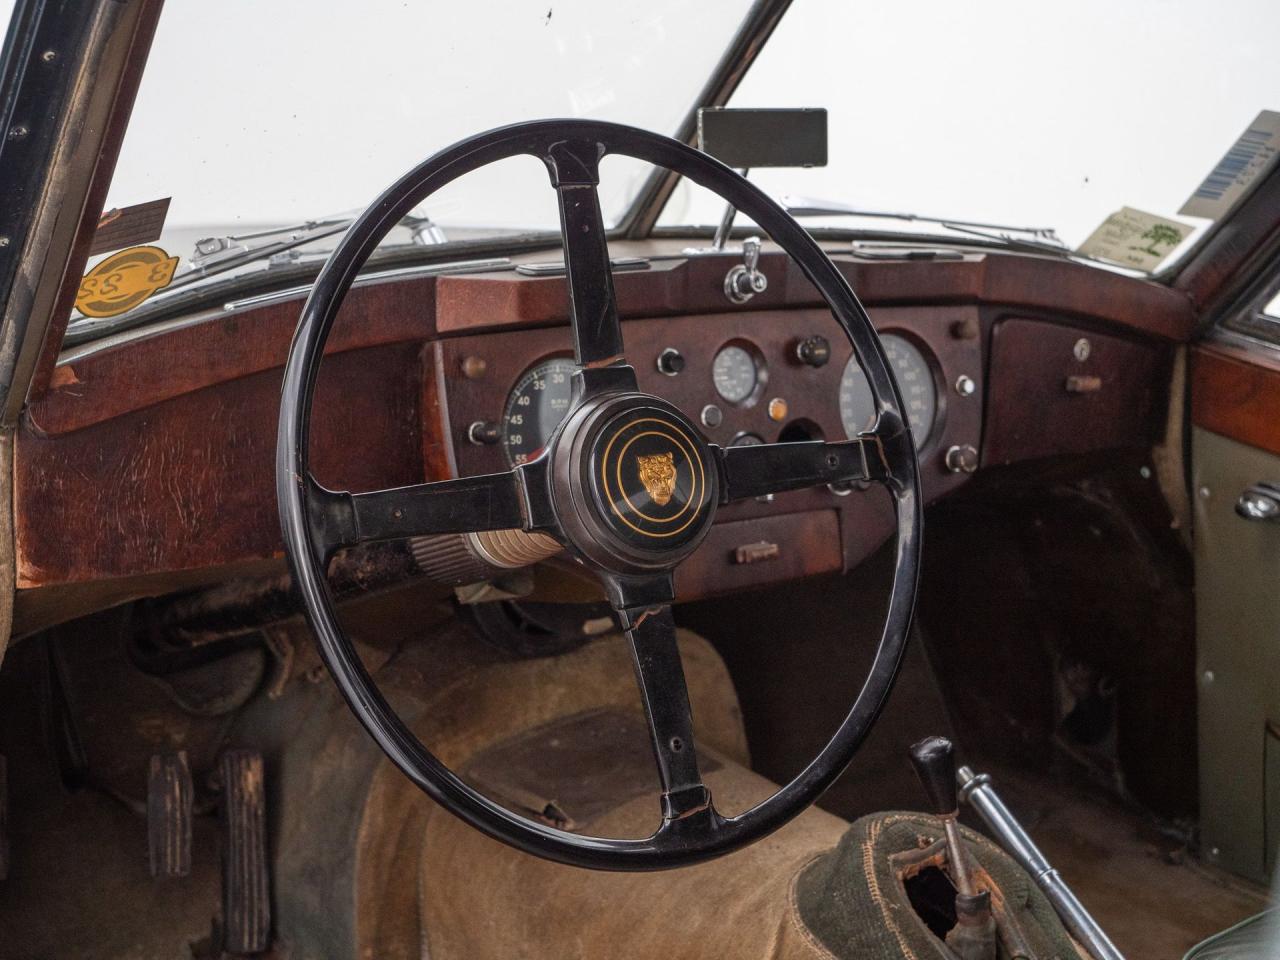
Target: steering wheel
627,485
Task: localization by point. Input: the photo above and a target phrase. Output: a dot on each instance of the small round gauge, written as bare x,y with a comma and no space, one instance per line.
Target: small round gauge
735,373
535,407
915,380
746,439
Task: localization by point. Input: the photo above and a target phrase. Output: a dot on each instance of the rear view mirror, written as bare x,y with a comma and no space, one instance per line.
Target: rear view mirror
747,139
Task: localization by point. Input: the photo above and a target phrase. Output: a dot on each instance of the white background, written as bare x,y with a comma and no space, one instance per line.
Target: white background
1028,113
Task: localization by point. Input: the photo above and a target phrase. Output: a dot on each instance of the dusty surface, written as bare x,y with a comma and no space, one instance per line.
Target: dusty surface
79,885
1152,896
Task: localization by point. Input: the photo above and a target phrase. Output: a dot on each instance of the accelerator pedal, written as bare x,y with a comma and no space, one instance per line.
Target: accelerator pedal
246,891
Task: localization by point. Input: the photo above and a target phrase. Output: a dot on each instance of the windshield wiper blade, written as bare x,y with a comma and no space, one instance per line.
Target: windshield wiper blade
236,249
215,255
1040,237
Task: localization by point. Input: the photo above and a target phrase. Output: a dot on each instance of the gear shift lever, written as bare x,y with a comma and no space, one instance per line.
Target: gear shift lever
935,763
973,936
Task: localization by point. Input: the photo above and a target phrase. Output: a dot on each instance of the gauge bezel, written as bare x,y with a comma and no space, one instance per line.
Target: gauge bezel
757,359
510,392
932,364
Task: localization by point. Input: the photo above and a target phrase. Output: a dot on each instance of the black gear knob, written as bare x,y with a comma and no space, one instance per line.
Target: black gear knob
935,762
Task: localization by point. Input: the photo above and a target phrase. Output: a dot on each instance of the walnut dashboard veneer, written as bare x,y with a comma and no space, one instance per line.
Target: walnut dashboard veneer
153,453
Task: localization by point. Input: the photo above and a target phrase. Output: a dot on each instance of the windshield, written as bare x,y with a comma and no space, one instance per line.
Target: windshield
1007,112
252,117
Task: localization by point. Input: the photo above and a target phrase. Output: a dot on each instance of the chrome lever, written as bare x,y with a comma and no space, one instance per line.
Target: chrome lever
1260,502
745,280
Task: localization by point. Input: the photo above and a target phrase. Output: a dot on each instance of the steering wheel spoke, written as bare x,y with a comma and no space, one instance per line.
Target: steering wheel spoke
651,631
496,501
756,471
574,166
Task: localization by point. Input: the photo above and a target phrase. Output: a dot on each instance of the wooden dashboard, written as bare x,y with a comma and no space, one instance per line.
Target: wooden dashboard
150,456
1236,392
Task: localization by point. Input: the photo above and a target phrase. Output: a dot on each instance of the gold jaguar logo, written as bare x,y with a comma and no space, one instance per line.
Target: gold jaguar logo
658,474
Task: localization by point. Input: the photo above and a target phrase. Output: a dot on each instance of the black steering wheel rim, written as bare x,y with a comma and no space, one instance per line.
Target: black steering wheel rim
683,839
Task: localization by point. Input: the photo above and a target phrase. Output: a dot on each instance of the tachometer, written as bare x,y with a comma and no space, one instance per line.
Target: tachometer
535,407
915,380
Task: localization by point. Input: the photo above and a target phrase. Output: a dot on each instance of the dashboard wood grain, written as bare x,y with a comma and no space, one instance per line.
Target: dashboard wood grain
151,451
189,482
1059,390
96,382
1236,394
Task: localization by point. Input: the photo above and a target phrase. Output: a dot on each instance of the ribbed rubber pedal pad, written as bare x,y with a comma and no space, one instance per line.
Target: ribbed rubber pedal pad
170,792
246,893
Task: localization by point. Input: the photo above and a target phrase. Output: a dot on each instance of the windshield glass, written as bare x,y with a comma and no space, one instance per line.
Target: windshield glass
1006,112
252,117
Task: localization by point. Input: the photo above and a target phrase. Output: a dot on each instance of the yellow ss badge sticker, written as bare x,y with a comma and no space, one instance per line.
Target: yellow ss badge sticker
124,280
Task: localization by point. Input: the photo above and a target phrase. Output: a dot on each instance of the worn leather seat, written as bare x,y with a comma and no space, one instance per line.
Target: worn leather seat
1257,938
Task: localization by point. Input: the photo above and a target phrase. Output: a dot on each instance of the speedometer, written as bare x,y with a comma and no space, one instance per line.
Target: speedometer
535,407
915,380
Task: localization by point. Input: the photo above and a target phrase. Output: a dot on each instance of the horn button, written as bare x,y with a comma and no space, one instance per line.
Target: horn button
636,486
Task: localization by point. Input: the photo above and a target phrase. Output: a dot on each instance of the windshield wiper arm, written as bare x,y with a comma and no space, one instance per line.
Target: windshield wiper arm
1044,237
216,255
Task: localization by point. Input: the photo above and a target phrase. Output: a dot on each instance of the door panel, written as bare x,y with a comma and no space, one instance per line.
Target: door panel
1237,611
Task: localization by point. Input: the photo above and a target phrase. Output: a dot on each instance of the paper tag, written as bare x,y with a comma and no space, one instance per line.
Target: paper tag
129,226
1248,159
1134,239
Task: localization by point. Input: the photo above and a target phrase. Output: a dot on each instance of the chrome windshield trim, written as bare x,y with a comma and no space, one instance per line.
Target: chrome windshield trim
437,269
72,354
1228,337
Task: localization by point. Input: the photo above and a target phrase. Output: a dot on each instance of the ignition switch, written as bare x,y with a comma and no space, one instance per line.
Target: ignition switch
745,280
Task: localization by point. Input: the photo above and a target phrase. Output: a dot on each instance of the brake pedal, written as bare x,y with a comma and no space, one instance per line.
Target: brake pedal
169,799
246,893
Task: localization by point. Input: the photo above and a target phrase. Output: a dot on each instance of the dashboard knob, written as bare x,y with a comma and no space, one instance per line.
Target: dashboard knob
814,351
670,361
484,433
962,459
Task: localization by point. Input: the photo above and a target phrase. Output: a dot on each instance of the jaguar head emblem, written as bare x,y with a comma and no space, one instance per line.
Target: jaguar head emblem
658,474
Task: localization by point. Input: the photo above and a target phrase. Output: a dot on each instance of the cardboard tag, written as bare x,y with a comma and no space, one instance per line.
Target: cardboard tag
1251,156
1134,239
129,226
